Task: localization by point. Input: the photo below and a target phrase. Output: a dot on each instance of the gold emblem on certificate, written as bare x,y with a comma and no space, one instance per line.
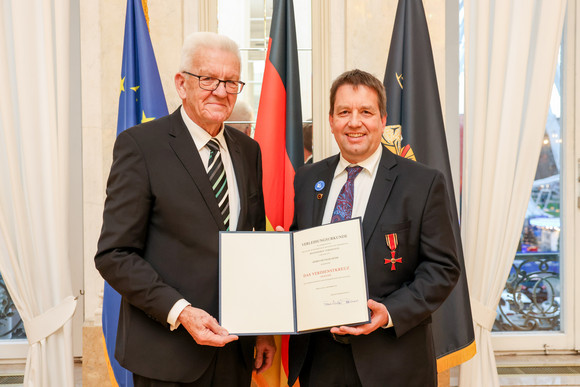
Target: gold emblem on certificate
392,243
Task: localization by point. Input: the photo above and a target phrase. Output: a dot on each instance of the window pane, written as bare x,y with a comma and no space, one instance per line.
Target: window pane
532,296
11,326
248,23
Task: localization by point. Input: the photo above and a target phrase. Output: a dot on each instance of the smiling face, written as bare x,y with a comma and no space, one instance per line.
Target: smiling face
209,109
356,122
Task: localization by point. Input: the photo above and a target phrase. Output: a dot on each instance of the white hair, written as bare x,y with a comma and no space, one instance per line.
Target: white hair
197,40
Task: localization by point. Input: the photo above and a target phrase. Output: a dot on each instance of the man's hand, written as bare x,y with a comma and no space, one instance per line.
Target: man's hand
265,351
279,228
379,318
204,329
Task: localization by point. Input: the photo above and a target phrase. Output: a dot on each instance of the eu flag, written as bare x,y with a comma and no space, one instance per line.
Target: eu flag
141,100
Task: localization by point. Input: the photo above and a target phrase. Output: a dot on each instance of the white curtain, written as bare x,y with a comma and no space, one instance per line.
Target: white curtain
511,51
34,127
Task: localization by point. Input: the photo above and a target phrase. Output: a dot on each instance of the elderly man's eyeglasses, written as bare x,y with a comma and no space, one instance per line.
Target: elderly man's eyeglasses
211,83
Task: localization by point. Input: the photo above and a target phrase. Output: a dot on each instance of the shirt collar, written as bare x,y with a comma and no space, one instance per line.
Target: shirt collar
370,164
199,135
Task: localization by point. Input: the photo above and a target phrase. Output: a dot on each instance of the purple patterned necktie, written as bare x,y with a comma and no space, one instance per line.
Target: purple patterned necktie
343,206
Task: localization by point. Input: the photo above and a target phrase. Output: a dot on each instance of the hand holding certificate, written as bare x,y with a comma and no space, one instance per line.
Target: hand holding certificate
282,282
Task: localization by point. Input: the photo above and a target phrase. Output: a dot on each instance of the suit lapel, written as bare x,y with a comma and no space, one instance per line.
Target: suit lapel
326,176
182,144
386,176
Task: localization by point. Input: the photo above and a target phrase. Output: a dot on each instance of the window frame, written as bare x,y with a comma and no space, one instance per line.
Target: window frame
566,340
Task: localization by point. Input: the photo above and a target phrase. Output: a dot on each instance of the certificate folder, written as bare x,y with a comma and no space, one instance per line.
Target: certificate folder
293,282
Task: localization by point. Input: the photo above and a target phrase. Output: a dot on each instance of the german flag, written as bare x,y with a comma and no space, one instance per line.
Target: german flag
279,122
415,130
279,133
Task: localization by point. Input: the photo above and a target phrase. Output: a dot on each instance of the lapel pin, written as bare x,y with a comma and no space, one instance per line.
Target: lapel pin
319,186
319,196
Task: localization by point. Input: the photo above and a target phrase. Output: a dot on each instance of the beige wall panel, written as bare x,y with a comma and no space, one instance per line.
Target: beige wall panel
165,22
102,34
369,26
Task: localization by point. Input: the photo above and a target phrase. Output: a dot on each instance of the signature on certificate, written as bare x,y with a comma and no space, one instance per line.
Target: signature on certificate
340,301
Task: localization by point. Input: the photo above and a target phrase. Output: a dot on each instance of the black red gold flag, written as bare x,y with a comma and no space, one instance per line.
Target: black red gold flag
279,133
279,121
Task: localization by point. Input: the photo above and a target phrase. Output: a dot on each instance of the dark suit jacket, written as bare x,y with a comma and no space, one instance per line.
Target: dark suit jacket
408,199
159,241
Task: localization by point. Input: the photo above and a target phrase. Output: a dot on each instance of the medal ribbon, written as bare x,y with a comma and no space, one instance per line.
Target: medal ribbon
392,243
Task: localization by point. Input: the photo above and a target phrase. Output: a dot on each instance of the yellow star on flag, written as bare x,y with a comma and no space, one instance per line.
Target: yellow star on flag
135,88
122,84
145,118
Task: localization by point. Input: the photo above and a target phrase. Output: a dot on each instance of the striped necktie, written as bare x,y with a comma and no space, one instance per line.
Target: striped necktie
343,206
217,179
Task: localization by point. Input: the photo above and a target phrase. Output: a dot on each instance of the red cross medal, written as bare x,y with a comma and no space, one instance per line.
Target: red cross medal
392,242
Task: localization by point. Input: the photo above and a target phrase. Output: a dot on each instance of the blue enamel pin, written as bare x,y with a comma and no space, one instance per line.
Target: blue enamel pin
319,186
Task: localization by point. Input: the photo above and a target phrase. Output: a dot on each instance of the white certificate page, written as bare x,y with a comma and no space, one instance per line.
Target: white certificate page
256,295
330,276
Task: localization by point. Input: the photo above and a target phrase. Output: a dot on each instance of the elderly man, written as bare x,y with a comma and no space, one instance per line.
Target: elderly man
409,248
174,184
242,117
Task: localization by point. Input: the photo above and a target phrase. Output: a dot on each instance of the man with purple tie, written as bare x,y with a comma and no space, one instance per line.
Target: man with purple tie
409,248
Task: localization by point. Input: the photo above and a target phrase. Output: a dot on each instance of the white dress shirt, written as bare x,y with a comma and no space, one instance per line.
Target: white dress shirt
201,138
363,185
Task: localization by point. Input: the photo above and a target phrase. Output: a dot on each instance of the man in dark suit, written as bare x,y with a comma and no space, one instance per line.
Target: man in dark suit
409,248
159,243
